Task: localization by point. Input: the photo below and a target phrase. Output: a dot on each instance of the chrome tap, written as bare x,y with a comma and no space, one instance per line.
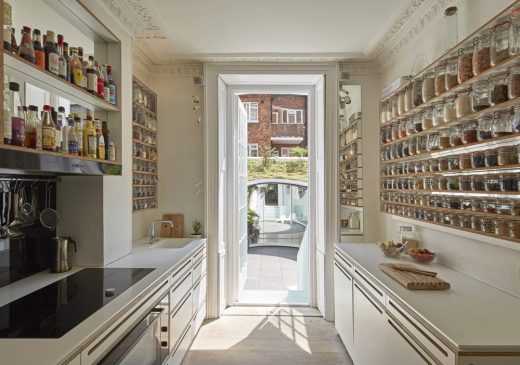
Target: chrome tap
151,230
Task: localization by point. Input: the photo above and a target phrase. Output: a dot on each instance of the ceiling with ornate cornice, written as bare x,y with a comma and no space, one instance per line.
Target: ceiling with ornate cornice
183,31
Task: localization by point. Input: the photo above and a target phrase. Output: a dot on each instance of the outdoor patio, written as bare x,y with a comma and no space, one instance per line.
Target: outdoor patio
280,234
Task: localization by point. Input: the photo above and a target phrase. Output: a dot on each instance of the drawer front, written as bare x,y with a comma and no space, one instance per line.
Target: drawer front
179,290
199,319
179,274
199,269
344,263
372,288
182,349
199,294
425,338
180,320
200,254
489,360
109,338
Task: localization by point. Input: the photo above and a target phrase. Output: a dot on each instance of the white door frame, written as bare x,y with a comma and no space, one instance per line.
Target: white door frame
215,179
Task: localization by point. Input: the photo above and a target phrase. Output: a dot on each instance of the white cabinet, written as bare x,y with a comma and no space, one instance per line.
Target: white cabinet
401,348
343,306
369,329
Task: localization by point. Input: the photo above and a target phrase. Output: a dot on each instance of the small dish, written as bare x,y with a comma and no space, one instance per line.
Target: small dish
392,249
421,255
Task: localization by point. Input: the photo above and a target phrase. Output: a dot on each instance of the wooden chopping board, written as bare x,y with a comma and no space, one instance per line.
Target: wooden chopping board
178,226
412,280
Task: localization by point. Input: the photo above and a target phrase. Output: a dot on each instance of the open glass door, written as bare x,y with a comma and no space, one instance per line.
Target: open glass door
241,208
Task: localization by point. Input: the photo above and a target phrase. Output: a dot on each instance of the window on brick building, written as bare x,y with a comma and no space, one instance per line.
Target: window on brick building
251,111
252,150
286,152
274,117
289,116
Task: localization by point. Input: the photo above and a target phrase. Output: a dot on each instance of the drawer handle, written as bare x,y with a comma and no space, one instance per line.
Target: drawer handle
182,281
369,283
370,300
409,342
418,329
182,268
338,255
180,305
340,268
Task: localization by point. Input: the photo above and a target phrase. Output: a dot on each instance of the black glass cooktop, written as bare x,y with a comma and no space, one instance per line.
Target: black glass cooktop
54,310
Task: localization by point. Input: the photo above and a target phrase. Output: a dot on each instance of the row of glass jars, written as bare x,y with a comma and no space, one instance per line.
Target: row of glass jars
348,136
145,204
350,201
497,226
144,166
145,179
143,151
141,192
494,206
142,117
506,182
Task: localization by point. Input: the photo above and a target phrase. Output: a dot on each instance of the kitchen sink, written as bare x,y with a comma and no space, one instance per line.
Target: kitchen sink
172,243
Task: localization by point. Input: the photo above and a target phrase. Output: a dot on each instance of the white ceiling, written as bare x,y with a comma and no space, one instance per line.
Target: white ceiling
186,30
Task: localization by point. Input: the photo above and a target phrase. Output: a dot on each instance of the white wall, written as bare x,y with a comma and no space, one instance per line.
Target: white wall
492,264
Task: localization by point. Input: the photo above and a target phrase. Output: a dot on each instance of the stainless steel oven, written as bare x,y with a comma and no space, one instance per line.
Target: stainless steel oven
147,343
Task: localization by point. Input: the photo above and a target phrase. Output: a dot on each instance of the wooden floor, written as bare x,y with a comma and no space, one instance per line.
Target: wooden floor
270,336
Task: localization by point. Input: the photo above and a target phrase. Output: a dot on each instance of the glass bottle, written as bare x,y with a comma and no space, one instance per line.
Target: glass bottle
465,64
480,95
26,50
48,130
498,88
106,87
112,86
100,140
31,126
57,131
89,138
67,59
514,31
499,46
65,134
100,81
52,58
111,152
440,78
76,71
39,53
62,62
78,125
14,45
72,138
8,111
92,76
17,117
428,86
107,136
481,54
8,23
60,126
83,68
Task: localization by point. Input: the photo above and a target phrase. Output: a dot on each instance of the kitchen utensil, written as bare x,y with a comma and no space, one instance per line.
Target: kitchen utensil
49,217
26,208
13,227
416,271
17,222
412,280
59,253
4,219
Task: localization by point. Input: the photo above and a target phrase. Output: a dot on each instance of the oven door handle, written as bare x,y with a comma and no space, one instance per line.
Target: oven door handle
123,347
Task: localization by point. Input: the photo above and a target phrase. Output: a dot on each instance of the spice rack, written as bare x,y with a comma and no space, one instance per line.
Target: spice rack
457,163
144,151
350,165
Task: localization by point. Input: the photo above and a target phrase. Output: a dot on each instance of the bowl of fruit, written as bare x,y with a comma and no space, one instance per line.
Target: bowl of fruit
392,249
422,255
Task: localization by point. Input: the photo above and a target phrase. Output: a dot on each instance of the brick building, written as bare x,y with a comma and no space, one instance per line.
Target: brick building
277,121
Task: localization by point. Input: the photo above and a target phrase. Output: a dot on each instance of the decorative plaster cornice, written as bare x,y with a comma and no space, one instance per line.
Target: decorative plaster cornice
179,70
360,68
134,15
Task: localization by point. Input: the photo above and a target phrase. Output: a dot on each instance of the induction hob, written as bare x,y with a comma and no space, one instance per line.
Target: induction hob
55,309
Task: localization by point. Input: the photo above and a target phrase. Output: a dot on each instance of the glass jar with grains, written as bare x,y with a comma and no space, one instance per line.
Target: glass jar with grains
428,86
481,54
515,122
427,118
463,103
455,136
480,96
440,78
498,88
485,127
465,64
449,108
451,73
408,98
400,103
499,46
513,82
469,132
514,31
502,123
437,114
417,92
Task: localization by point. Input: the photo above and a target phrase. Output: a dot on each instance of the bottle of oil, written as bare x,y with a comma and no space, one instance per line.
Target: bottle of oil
89,138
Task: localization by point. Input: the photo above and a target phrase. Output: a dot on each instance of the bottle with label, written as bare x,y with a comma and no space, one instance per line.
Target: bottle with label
48,129
100,139
52,58
14,45
61,122
78,125
83,68
16,135
39,53
111,152
8,111
72,138
111,85
8,23
76,71
101,81
30,127
67,59
62,62
65,135
107,136
92,76
89,139
57,131
26,50
106,88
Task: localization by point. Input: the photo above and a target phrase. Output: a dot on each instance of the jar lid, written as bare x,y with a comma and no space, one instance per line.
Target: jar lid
499,75
501,26
463,50
465,91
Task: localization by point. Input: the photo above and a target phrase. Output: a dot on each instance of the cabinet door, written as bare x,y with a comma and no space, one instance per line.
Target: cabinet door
343,306
401,348
369,328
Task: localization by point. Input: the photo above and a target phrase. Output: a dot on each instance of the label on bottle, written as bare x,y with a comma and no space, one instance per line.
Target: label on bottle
101,152
92,82
8,132
39,137
111,152
65,139
57,139
39,59
107,93
48,136
73,147
91,145
78,76
112,94
18,131
62,67
101,88
54,63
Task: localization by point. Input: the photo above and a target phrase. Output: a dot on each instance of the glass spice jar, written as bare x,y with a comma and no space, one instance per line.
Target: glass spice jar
410,129
434,165
412,147
402,129
453,163
442,183
455,136
475,223
500,227
437,114
405,149
476,205
433,141
490,206
417,92
480,96
400,103
498,88
444,138
443,164
486,225
465,64
395,131
514,31
477,183
421,144
465,161
514,229
499,46
383,112
481,54
508,182
394,103
449,108
485,126
454,219
469,132
440,78
464,183
502,124
464,221
408,98
427,121
465,203
451,73
463,103
417,122
514,207
491,183
507,156
425,166
513,82
491,158
428,86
